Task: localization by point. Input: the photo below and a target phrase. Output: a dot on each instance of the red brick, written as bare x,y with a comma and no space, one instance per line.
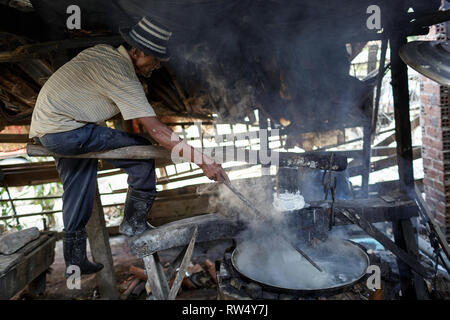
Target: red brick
427,162
431,88
435,121
438,185
438,165
432,153
436,144
430,131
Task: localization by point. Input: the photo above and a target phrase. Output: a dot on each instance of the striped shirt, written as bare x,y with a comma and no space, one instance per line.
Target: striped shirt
94,86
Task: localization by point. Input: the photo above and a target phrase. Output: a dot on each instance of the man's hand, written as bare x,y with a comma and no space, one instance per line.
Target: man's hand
165,137
215,172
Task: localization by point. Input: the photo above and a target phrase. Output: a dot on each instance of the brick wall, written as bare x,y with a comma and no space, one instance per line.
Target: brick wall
435,124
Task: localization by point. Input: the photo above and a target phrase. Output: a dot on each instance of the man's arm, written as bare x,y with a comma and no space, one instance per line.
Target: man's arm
165,137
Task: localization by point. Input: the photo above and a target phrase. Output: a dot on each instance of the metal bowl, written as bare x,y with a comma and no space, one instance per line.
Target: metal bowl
353,251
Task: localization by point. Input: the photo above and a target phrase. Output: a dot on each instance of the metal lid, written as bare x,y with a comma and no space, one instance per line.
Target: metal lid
430,58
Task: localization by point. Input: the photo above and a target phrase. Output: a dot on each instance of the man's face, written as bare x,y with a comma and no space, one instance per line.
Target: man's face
143,64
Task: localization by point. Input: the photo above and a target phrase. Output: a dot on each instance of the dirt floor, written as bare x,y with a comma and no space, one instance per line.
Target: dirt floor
203,289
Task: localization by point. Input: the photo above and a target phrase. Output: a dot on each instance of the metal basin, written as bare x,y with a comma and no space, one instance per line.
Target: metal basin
271,265
430,58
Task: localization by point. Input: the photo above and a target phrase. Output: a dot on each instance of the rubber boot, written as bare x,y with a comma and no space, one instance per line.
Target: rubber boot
74,248
137,207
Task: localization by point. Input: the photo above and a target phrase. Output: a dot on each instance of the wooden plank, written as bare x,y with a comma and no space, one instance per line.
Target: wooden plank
383,163
36,51
27,269
391,138
37,69
12,242
365,162
132,152
14,138
390,187
381,71
8,261
315,160
387,151
179,233
169,210
156,277
183,267
433,225
388,244
101,251
411,246
372,210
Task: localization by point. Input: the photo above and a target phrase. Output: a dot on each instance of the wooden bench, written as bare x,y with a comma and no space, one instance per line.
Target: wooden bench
27,266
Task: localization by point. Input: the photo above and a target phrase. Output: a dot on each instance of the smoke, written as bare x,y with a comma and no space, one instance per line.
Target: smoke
265,255
285,57
269,259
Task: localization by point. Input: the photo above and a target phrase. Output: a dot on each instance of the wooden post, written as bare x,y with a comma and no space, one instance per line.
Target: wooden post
156,277
101,251
401,112
404,234
263,125
366,151
372,58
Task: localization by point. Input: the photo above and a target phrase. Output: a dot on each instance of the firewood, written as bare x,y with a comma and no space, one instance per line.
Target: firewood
187,283
195,269
211,269
137,291
138,272
126,293
376,295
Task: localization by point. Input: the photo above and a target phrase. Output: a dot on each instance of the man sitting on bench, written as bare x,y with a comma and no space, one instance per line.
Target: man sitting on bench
94,86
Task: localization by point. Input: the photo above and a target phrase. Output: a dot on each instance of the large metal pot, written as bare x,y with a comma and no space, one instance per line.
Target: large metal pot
258,260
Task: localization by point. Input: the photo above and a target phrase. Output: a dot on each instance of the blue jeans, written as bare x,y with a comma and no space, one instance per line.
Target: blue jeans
79,176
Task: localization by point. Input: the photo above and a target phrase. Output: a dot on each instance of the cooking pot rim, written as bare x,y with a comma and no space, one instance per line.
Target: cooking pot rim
357,248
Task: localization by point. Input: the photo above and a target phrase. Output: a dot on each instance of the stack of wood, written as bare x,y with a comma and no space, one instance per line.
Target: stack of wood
26,67
197,277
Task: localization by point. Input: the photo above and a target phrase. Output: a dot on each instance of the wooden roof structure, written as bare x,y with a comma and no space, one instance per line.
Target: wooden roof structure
286,58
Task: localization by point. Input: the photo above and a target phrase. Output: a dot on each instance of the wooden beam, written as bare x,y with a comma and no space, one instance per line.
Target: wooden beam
391,138
383,163
399,73
14,138
36,51
315,160
101,251
365,162
179,233
374,209
132,152
425,210
404,256
380,76
401,111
